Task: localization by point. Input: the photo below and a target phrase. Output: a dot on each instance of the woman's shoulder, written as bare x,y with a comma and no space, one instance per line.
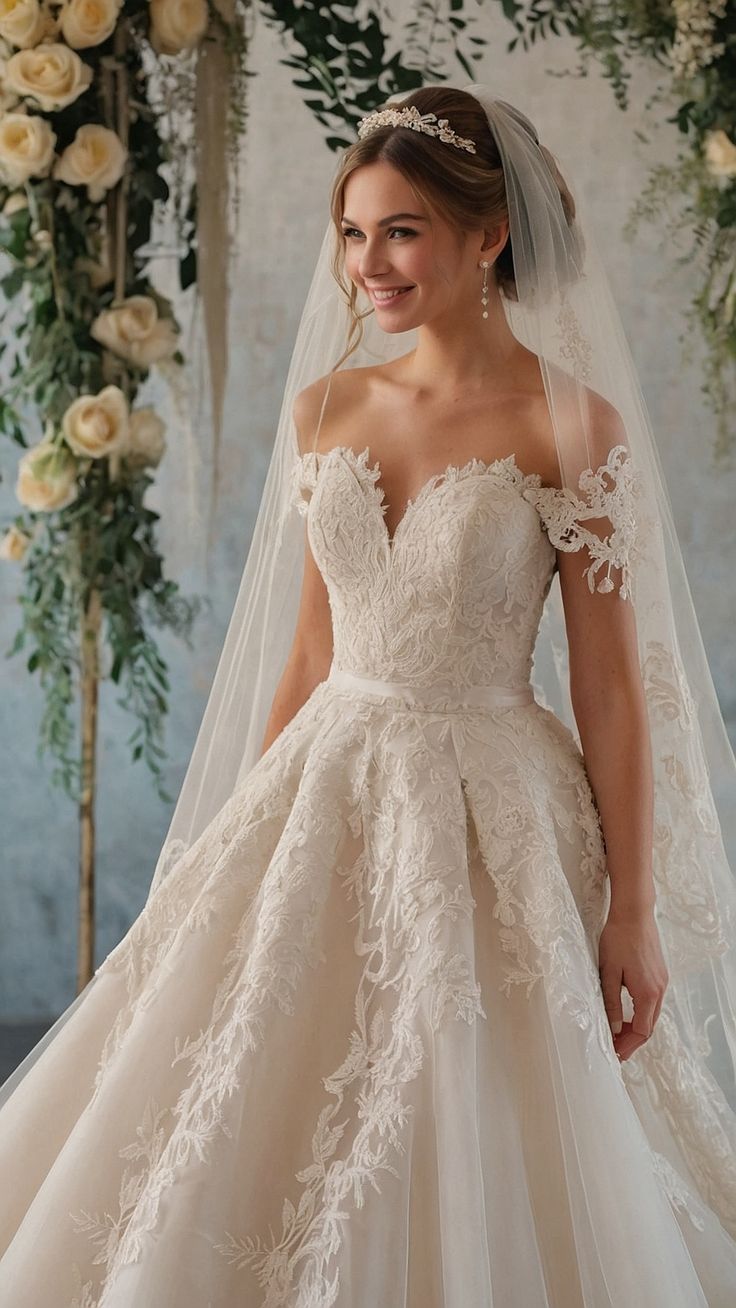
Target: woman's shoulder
345,386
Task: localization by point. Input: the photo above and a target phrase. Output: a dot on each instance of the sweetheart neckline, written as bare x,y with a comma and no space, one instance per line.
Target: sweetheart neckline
452,472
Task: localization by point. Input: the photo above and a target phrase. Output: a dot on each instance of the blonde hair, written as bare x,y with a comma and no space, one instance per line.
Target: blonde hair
467,190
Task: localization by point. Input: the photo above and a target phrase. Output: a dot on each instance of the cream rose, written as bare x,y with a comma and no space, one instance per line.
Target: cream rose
135,331
26,148
95,159
146,444
177,25
97,425
22,22
51,73
14,544
47,478
720,154
88,22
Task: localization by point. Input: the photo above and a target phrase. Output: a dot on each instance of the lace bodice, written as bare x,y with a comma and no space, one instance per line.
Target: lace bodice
457,593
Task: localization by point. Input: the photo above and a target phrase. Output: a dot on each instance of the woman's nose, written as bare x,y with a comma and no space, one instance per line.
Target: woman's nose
372,263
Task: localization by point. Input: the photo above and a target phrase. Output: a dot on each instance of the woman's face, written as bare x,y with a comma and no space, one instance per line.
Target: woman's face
390,245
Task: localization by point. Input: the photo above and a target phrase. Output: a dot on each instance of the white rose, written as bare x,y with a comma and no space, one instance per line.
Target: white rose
52,73
88,22
26,148
14,544
97,425
95,159
177,24
22,22
146,444
47,478
135,331
720,154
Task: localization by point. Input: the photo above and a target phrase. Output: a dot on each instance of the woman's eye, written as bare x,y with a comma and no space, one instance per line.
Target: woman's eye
405,231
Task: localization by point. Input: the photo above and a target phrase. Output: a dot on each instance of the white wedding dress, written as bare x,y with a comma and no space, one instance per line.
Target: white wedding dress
354,1051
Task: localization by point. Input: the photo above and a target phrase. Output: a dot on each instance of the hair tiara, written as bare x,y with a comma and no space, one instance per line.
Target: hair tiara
410,116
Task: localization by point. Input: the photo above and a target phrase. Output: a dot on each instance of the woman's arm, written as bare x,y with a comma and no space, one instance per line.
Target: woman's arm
610,709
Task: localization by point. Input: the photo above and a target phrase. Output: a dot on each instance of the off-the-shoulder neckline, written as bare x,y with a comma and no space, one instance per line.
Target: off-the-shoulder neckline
507,467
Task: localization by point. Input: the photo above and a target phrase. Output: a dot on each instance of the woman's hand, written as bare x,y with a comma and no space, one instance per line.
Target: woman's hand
630,954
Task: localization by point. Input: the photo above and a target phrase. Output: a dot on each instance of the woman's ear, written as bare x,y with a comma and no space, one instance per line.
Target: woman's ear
494,239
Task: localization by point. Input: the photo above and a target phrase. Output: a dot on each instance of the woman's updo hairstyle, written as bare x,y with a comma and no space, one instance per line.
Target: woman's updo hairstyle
467,190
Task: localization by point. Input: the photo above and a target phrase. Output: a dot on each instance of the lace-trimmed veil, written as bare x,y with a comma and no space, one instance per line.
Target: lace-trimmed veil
611,477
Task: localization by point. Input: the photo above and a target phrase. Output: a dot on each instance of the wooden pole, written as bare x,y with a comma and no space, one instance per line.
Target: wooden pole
90,690
115,109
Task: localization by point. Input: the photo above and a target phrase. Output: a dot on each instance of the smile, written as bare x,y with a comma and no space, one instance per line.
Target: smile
386,297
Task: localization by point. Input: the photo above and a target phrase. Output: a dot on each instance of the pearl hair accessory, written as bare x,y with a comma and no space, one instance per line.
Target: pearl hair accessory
410,116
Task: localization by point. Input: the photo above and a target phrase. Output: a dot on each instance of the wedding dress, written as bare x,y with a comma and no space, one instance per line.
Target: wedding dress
354,1051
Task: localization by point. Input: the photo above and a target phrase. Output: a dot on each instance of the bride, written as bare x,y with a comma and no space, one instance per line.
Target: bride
431,999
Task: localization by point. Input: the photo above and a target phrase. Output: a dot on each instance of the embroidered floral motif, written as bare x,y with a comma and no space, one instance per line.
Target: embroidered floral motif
575,346
610,493
667,690
681,1089
686,836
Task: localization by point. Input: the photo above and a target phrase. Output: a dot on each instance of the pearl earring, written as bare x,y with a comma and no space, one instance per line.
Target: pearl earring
485,265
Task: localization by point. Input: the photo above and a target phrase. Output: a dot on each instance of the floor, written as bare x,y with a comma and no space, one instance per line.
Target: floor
17,1040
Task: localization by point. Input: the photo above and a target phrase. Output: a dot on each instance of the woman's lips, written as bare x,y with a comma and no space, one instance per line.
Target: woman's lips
386,302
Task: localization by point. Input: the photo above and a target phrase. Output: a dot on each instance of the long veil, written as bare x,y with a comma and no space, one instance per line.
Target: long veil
610,474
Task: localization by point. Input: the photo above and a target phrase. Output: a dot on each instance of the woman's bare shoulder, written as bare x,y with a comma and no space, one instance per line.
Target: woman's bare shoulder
346,386
596,430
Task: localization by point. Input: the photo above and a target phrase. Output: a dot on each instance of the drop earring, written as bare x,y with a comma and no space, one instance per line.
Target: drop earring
485,265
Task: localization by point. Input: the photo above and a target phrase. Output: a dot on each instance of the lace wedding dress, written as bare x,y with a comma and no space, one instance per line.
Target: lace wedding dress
353,1051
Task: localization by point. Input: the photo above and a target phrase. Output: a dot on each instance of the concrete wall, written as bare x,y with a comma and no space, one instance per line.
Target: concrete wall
286,173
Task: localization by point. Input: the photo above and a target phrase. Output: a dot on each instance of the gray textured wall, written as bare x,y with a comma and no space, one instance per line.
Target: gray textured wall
285,180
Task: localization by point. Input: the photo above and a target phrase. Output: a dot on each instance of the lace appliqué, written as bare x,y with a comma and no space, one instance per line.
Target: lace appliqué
687,842
303,477
679,1087
611,492
455,595
405,900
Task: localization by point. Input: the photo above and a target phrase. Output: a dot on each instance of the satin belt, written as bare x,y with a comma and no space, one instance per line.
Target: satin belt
440,695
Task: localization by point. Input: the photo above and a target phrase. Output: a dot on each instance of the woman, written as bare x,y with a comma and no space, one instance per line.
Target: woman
416,1011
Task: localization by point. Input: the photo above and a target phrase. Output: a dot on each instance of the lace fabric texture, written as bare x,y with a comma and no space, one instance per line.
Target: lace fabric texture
353,1051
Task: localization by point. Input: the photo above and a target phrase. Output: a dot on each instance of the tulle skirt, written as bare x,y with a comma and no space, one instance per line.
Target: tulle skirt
354,1052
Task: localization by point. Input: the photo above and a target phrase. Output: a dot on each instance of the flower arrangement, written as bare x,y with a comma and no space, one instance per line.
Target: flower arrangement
80,173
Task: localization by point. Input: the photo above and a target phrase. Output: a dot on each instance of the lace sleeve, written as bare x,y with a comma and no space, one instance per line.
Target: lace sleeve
610,492
303,480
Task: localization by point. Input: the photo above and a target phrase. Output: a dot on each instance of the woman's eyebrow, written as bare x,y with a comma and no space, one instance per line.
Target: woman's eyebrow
392,218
